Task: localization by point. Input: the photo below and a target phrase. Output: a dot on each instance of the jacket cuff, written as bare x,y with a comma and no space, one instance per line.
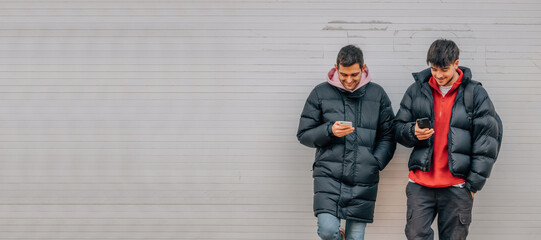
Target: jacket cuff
329,130
412,133
470,187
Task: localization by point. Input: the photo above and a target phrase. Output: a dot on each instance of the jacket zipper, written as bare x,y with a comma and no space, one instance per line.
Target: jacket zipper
449,158
428,92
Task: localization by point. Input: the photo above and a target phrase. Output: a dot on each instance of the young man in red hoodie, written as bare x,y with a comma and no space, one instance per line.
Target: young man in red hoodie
453,156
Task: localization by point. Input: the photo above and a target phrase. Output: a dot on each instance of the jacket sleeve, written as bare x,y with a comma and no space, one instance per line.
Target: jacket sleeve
484,140
404,123
312,132
385,142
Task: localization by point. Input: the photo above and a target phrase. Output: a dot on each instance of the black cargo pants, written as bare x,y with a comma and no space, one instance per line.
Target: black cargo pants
453,206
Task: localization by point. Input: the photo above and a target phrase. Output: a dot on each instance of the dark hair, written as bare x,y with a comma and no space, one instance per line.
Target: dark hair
442,53
350,55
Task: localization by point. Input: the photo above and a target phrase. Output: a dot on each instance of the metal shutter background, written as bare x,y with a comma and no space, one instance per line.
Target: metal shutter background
177,119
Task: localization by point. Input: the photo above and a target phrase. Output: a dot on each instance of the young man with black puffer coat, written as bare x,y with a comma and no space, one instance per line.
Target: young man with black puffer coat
348,157
454,155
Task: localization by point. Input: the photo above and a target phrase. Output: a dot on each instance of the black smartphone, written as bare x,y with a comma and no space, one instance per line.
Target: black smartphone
423,122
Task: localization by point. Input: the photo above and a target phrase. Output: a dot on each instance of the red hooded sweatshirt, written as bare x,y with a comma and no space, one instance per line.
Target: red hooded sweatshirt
439,175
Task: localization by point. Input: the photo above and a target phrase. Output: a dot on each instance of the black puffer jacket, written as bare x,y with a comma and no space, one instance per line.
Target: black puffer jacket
346,169
471,153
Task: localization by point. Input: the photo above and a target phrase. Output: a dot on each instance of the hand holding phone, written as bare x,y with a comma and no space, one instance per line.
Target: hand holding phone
346,124
342,128
423,123
422,129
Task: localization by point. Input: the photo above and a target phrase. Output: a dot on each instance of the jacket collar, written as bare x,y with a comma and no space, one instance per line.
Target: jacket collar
423,76
356,94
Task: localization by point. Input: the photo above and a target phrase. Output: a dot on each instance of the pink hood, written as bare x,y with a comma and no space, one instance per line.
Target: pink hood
332,78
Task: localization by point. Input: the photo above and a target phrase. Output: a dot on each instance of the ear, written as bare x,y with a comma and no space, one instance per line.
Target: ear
336,66
455,65
363,69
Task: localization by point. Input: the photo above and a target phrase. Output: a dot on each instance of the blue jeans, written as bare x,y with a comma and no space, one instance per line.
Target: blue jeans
328,228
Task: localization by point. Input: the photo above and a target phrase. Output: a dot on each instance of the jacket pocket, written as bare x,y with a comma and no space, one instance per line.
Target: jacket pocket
366,167
380,165
376,161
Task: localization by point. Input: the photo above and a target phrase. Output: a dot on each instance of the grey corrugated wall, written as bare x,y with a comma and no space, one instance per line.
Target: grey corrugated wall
177,119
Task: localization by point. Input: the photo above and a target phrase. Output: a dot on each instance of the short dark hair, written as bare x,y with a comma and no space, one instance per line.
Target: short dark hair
350,55
442,53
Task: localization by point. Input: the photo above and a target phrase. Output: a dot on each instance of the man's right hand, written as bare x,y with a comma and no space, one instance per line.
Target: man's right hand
341,131
423,133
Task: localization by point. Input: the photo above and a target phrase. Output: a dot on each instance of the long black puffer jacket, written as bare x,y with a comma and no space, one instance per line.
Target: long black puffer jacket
346,169
471,153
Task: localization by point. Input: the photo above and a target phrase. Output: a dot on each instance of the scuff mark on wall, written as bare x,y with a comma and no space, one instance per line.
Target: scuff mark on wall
329,28
362,25
360,22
